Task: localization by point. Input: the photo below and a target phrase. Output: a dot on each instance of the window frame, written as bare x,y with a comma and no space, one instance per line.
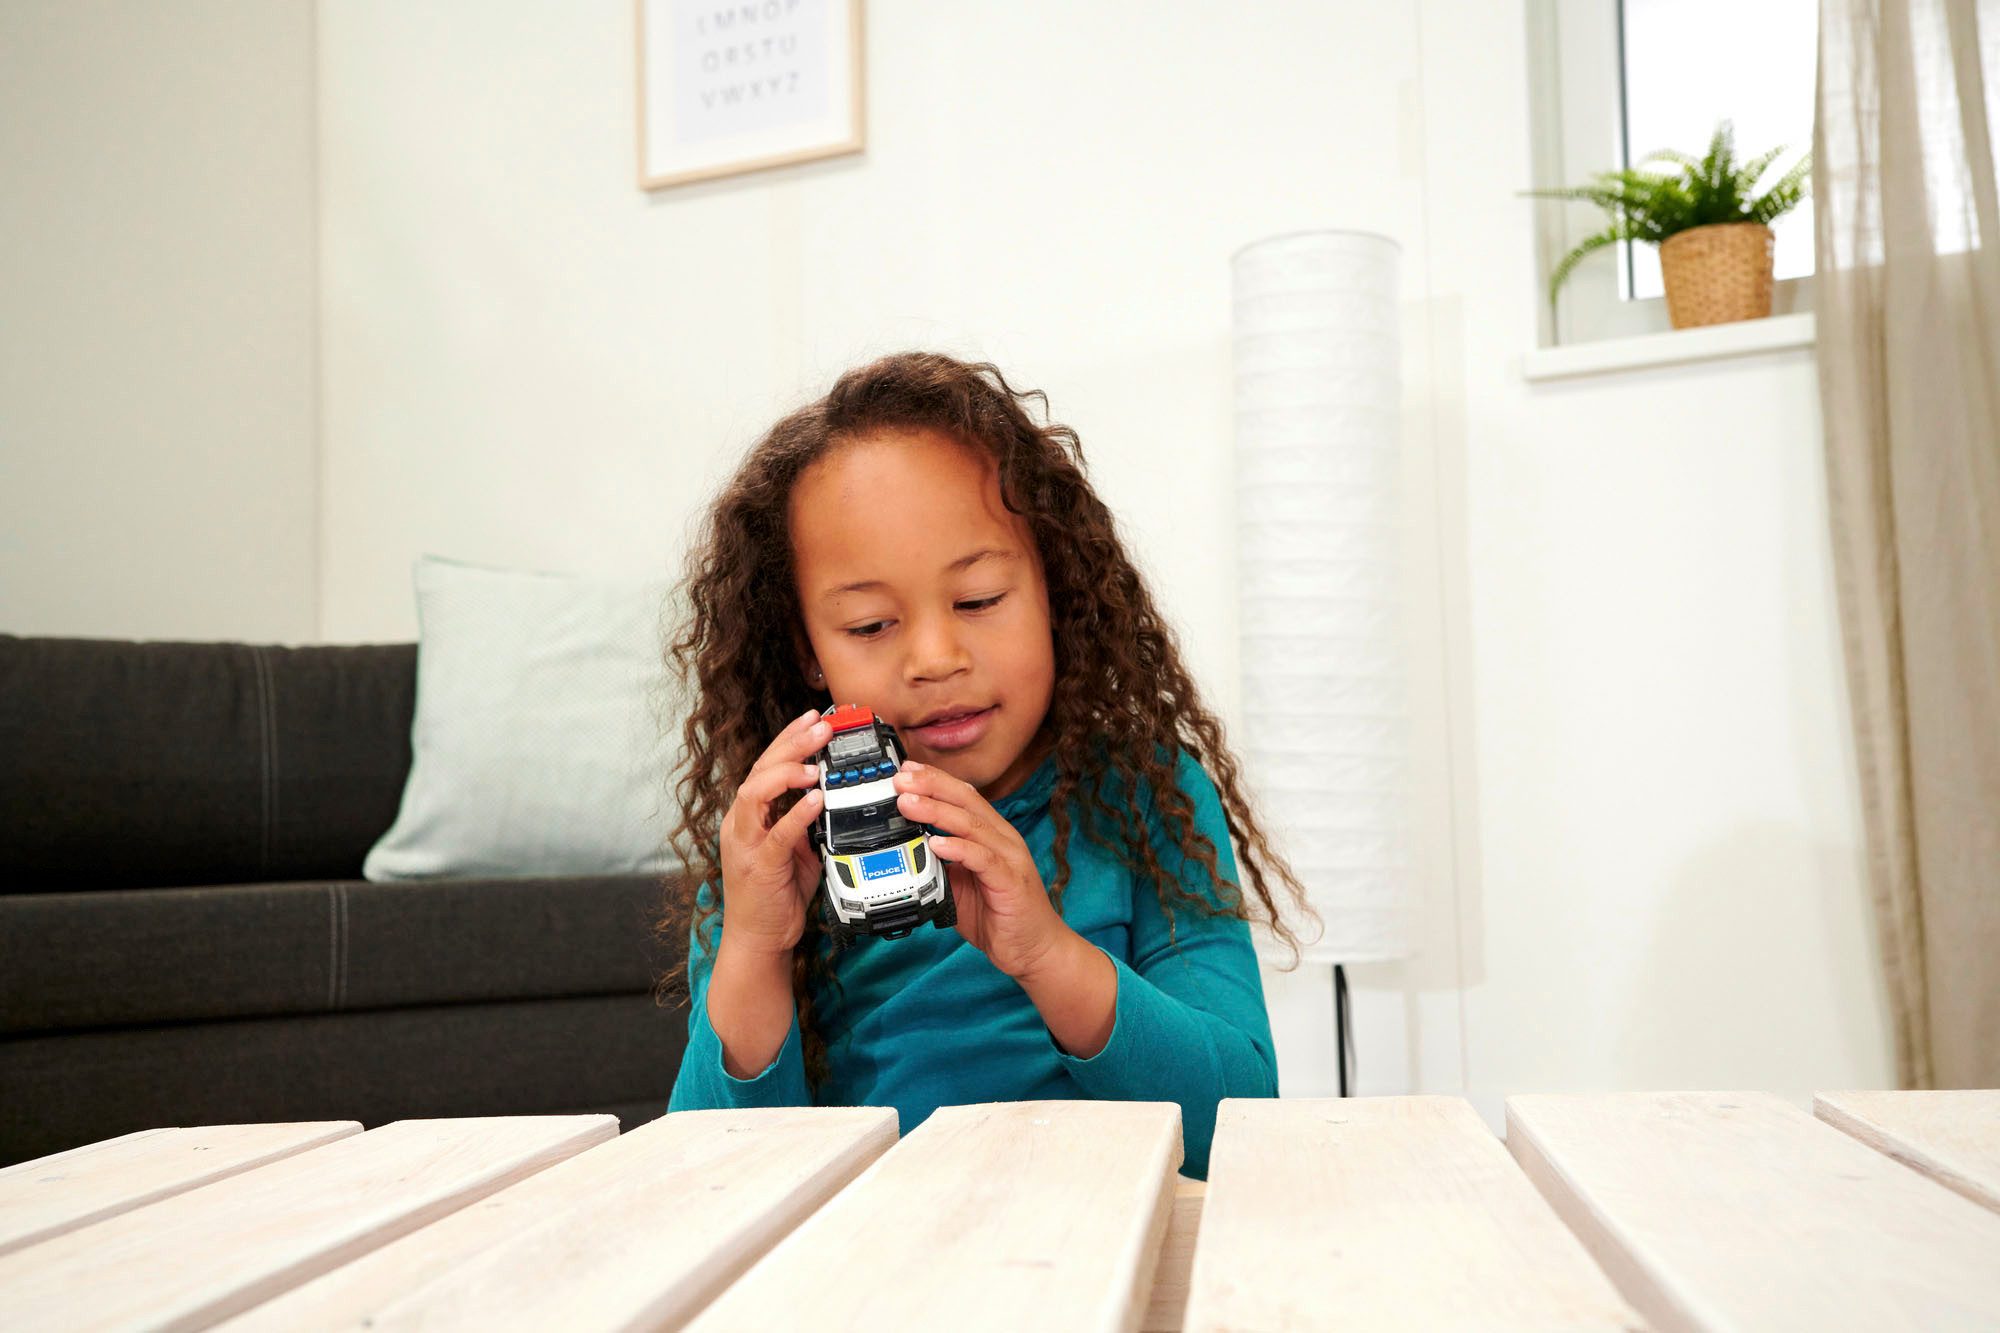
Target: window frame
1577,112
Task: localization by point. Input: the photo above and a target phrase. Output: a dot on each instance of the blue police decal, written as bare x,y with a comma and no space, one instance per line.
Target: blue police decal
875,865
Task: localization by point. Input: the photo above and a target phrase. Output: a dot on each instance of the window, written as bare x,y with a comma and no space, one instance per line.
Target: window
1617,79
859,828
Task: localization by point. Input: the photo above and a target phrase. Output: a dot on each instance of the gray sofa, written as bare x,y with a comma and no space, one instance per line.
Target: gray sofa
186,939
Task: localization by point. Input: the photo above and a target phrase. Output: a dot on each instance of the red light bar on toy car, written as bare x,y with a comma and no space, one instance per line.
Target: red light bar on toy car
846,717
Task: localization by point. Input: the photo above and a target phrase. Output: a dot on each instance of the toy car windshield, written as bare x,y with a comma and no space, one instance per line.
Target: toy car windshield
866,827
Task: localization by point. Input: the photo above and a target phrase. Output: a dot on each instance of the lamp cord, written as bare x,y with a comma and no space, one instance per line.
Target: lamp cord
1343,1030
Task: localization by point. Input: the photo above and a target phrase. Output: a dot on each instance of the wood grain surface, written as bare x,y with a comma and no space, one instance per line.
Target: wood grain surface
1005,1215
199,1256
66,1190
1952,1136
637,1233
1166,1306
1738,1210
1382,1212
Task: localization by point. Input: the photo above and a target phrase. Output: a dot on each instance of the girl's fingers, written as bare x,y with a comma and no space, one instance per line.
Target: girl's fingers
791,830
918,786
809,870
797,742
767,785
965,893
936,813
936,797
980,859
935,781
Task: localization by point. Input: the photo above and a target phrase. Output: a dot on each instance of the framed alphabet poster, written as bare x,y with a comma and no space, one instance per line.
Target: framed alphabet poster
728,86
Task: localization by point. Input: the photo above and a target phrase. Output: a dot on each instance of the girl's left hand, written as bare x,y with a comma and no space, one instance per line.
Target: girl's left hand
1003,907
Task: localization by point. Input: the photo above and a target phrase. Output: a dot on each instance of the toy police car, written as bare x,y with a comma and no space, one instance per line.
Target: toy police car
881,876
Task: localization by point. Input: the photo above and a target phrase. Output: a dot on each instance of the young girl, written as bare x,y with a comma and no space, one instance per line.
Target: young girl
915,543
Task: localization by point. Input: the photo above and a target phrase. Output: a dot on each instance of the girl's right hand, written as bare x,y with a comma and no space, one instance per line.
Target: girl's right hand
770,872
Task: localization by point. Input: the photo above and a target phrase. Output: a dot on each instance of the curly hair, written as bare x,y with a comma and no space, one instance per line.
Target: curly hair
1122,699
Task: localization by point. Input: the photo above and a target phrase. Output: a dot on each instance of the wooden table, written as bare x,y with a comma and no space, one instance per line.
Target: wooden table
1667,1210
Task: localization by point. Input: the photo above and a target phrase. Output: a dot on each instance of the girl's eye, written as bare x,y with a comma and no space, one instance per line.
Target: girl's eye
874,627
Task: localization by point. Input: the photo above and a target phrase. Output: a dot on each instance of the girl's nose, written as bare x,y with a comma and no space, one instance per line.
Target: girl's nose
936,649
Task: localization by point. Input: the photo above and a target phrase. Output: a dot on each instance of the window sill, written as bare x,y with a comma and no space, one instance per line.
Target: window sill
1674,347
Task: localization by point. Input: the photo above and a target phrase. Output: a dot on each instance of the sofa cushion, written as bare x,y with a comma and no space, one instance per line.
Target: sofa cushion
128,956
540,743
132,763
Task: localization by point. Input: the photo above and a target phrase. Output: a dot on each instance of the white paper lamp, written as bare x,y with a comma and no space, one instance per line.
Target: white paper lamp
1326,738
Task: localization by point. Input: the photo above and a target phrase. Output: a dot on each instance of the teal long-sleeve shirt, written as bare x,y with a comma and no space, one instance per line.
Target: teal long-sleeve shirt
928,1021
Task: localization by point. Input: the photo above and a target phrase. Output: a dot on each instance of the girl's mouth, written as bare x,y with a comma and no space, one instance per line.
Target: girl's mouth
956,733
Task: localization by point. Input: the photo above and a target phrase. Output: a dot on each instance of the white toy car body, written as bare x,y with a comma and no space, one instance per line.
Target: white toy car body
881,876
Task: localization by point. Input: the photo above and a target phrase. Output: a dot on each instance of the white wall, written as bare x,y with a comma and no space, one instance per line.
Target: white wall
157,320
1641,847
1670,886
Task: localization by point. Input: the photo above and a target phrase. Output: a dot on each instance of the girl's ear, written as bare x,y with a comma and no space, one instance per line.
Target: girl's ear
808,661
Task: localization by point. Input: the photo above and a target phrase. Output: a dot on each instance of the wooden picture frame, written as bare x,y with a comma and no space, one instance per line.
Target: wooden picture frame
730,86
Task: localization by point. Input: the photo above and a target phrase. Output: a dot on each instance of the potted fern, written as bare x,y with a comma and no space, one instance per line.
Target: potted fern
1715,239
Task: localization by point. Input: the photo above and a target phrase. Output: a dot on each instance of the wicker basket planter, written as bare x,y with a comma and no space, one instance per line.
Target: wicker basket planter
1717,274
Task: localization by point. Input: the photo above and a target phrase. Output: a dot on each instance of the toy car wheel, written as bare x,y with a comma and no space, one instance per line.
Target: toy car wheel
842,935
947,911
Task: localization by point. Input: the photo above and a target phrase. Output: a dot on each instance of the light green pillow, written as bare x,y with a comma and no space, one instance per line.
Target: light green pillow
544,728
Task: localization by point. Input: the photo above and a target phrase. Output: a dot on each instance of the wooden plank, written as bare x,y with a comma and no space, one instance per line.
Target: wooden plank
1381,1212
1739,1210
1166,1308
1952,1136
637,1233
1001,1215
66,1190
201,1255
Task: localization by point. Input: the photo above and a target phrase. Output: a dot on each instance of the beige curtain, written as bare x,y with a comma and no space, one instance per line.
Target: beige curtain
1908,301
